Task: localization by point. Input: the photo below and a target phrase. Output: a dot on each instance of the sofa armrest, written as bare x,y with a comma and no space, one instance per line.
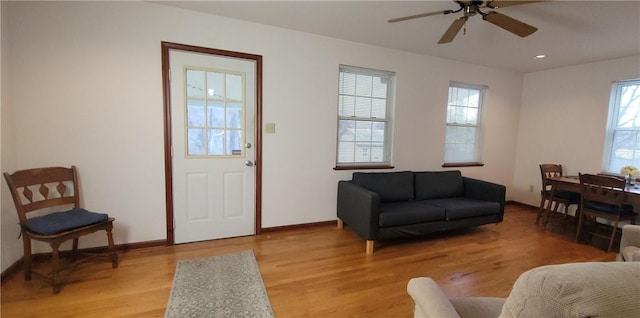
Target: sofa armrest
629,243
429,299
486,191
630,236
359,208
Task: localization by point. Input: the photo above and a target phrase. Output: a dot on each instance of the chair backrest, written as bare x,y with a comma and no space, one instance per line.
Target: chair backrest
603,189
41,188
549,170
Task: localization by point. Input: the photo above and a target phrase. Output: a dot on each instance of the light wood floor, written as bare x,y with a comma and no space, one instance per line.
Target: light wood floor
317,272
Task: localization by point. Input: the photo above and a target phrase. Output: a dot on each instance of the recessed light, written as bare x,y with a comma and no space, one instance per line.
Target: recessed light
540,56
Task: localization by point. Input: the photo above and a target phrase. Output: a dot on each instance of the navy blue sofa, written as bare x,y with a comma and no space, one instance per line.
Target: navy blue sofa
385,205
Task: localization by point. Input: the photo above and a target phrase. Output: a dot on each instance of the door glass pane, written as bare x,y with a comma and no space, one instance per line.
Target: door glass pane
215,114
216,142
196,141
215,85
195,83
234,87
234,142
234,115
195,113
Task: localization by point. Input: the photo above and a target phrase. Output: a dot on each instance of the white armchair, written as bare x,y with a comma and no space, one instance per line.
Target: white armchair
432,302
629,243
598,289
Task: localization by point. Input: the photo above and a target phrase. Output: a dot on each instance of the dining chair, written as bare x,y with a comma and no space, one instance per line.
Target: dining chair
603,197
554,198
48,204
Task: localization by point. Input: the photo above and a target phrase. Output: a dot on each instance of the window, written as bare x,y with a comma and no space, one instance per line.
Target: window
622,147
364,117
464,110
215,113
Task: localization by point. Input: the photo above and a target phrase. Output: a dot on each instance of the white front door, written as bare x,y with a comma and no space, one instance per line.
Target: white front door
213,109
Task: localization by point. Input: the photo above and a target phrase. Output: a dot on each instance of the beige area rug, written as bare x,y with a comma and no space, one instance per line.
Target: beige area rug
227,285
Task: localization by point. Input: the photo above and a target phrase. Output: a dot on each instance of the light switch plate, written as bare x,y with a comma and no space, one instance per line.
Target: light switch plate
270,128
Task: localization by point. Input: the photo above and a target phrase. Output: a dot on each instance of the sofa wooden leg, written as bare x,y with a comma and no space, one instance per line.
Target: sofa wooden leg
340,224
369,247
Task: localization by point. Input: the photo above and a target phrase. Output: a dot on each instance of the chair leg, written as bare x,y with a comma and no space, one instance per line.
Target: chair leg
340,224
613,234
112,250
541,210
566,217
552,210
26,259
74,255
55,262
580,220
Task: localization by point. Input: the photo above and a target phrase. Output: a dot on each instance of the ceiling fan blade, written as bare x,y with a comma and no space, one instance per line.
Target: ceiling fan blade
510,24
453,30
499,3
421,15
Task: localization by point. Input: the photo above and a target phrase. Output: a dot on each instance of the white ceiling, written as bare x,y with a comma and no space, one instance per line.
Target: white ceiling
569,32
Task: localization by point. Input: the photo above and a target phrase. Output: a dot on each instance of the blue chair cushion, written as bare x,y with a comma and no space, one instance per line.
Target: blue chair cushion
608,208
568,195
59,222
564,195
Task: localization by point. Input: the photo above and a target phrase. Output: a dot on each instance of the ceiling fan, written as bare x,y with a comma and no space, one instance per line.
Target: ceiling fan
471,8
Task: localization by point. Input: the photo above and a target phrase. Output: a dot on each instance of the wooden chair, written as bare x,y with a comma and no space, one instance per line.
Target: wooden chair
55,192
552,197
604,197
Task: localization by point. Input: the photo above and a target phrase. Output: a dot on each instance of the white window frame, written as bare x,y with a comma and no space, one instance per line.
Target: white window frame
355,119
452,158
610,163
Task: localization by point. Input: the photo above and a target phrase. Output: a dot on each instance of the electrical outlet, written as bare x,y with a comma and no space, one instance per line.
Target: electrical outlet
531,188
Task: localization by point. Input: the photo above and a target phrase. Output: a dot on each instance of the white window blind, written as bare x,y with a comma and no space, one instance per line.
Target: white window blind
622,146
364,116
463,128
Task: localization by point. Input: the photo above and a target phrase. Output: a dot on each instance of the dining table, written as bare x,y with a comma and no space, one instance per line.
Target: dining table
572,183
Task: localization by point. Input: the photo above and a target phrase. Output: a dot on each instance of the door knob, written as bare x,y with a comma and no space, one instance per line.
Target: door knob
248,163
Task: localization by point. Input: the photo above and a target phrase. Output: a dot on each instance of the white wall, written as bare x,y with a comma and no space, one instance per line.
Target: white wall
86,90
563,119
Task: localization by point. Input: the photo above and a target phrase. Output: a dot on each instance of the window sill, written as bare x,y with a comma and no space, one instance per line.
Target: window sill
462,164
361,167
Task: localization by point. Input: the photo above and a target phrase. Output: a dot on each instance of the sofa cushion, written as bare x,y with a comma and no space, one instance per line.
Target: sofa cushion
438,184
461,208
410,212
596,289
390,186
